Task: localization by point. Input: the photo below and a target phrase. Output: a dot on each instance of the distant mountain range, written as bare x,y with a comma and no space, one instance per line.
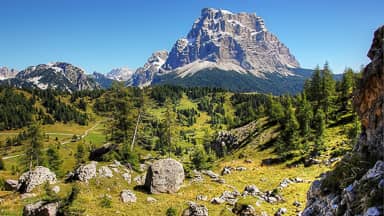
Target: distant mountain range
222,49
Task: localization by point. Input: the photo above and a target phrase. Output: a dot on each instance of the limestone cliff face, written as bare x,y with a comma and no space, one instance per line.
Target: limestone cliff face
356,185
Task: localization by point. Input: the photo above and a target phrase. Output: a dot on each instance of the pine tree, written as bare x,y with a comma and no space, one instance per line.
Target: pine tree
33,151
288,139
304,115
314,93
54,161
319,126
80,154
346,88
327,90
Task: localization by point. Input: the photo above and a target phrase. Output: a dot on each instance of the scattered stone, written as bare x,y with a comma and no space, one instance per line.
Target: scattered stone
244,210
41,208
151,200
219,180
241,168
217,200
164,176
226,171
29,180
195,210
104,171
211,174
281,211
230,197
311,161
248,161
252,190
127,196
56,189
27,195
201,197
10,185
140,180
115,169
297,203
127,177
143,167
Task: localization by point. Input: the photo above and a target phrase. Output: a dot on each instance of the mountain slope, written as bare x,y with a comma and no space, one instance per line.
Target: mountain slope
60,76
6,73
120,74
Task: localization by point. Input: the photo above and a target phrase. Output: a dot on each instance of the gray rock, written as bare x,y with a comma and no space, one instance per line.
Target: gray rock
151,200
127,196
248,161
164,176
297,203
29,180
41,208
195,210
10,185
85,172
56,189
252,190
241,168
226,171
211,174
201,197
127,177
217,200
144,75
281,211
104,171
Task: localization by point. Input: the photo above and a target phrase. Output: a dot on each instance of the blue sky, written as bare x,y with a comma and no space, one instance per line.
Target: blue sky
99,35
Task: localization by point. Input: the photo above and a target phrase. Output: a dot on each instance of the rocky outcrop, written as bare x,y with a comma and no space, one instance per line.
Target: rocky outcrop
355,186
195,209
164,176
29,180
224,143
10,185
41,208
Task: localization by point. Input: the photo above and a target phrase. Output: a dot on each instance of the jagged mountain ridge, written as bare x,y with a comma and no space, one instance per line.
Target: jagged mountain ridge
59,75
6,73
120,74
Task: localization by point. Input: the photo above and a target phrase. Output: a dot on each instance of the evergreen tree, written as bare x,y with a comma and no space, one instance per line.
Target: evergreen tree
328,91
346,88
276,112
288,139
33,151
304,115
80,154
314,93
54,161
319,126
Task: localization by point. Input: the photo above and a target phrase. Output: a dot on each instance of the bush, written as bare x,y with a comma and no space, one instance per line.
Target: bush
106,201
2,166
171,212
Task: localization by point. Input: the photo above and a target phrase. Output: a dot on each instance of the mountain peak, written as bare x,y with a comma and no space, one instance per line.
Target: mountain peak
241,39
120,74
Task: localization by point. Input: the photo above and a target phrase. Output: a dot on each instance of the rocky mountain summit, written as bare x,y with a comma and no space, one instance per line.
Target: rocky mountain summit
6,73
356,185
144,75
231,41
59,75
120,74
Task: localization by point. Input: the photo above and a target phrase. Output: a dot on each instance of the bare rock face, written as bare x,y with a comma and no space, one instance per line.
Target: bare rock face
164,176
226,38
6,73
144,75
41,208
29,180
365,195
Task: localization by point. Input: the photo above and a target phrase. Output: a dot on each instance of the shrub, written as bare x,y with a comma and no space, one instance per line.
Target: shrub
171,212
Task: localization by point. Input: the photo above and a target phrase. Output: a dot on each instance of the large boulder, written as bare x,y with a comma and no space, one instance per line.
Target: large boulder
10,184
41,208
164,176
29,180
85,172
